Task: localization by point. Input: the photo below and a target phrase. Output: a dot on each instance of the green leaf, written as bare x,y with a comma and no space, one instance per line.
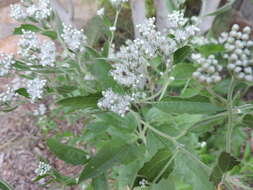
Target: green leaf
67,153
189,107
127,174
4,185
191,172
101,70
190,92
164,184
182,72
26,27
225,163
69,181
23,92
50,34
211,49
65,89
155,165
114,152
8,109
80,102
100,183
181,54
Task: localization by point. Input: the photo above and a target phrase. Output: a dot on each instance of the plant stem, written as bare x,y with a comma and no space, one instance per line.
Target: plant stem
114,25
178,145
230,115
212,92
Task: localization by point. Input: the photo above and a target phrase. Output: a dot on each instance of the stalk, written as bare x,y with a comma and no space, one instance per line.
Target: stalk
230,115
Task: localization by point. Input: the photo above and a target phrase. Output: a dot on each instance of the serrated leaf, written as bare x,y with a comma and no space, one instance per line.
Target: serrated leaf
154,166
225,163
114,152
80,102
26,27
69,154
189,107
181,54
4,185
100,183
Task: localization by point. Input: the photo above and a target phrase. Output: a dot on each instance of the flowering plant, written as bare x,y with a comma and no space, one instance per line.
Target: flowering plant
148,106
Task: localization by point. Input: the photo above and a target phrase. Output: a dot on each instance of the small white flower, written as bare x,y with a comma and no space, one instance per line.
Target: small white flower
35,88
112,28
18,12
101,12
6,62
237,45
47,54
143,183
75,39
43,169
117,3
40,11
116,103
8,95
41,110
209,69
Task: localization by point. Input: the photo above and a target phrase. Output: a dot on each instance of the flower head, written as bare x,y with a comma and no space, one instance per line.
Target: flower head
35,88
209,69
39,10
43,168
75,39
237,44
6,62
34,52
116,103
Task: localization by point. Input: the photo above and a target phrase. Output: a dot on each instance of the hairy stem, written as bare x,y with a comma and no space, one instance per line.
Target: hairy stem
230,115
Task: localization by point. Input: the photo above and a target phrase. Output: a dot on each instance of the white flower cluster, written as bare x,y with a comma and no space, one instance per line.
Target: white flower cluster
178,26
8,95
131,70
6,62
202,40
237,44
47,53
35,52
39,10
42,109
35,88
117,3
209,69
154,41
116,103
75,39
43,169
